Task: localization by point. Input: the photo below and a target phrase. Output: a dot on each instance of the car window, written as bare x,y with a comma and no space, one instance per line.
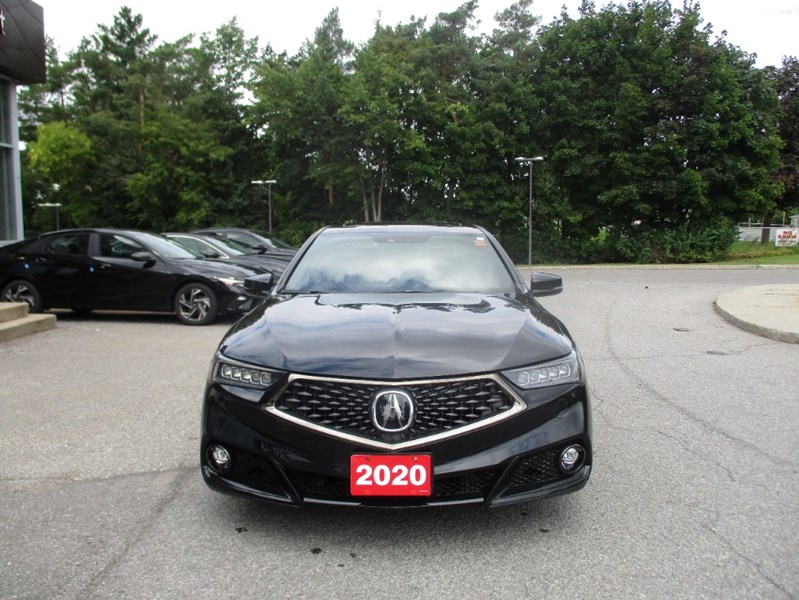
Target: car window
164,247
278,243
117,246
232,248
400,262
195,246
246,240
273,241
67,243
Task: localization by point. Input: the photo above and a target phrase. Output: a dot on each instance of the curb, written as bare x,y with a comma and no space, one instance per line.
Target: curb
767,332
768,311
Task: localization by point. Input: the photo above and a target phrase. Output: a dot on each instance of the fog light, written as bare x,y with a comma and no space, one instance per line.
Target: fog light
218,458
572,458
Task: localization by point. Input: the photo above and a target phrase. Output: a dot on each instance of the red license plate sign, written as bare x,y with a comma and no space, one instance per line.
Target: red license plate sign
391,475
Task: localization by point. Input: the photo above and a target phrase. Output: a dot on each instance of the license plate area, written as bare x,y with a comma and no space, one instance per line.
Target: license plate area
391,475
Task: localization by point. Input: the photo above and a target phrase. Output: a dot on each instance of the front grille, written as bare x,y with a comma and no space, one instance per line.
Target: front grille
441,406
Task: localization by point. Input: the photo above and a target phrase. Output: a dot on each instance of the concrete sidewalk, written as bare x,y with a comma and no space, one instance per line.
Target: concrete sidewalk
768,310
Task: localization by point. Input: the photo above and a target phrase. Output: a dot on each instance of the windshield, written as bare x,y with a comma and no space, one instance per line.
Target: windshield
271,241
231,247
400,261
276,242
164,247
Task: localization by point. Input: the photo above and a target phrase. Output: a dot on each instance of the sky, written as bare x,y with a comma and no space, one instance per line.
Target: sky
769,28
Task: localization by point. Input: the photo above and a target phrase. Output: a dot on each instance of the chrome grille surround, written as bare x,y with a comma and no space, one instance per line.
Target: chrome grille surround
446,408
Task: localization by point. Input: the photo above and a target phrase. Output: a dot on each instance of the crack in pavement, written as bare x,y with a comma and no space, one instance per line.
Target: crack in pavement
101,576
757,566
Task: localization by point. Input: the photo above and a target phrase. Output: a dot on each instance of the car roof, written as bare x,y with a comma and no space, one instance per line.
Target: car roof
191,235
406,228
98,230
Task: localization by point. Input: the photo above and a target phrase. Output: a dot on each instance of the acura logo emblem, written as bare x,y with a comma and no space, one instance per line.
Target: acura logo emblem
392,411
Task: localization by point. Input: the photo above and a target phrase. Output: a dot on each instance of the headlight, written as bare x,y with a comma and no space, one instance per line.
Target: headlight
563,370
230,281
241,375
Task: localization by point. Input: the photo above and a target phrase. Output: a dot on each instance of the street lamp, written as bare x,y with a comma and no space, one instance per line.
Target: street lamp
525,160
57,206
268,183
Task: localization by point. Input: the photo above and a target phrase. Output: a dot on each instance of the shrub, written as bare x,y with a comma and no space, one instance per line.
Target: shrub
683,244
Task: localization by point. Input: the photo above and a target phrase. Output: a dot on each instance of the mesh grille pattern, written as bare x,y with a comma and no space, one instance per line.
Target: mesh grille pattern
255,472
471,485
440,406
535,470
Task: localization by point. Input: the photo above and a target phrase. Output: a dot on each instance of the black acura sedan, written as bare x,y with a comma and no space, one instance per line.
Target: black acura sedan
109,269
398,365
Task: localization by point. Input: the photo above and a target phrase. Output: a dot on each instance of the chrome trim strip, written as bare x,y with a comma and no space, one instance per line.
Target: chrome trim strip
518,406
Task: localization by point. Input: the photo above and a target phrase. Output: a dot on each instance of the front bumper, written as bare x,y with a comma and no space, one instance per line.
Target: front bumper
237,300
515,460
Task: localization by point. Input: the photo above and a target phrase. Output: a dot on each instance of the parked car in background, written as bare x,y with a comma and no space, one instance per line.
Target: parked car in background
111,269
399,366
209,247
256,241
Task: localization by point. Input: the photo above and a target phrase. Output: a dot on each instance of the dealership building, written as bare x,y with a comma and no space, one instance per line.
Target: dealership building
22,62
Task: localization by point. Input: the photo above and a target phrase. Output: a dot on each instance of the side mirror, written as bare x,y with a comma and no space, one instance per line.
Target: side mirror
545,284
259,284
142,257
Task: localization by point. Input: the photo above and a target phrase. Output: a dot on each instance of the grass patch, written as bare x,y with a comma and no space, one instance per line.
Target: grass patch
754,253
788,259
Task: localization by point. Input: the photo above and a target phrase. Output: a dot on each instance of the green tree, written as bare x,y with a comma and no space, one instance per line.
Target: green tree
443,59
61,158
45,102
786,81
506,106
388,150
181,159
299,108
656,134
167,124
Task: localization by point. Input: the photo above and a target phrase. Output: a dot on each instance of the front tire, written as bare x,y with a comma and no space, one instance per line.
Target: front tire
196,304
20,290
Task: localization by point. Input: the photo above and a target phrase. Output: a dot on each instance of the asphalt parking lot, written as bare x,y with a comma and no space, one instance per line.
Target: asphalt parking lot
693,495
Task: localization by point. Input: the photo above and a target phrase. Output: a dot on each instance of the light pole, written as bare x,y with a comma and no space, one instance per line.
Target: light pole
268,183
525,160
57,206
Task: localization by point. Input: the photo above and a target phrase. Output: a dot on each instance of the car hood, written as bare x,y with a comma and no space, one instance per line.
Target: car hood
259,263
397,336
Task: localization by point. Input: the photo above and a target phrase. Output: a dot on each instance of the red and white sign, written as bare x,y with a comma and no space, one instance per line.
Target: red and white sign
391,475
786,237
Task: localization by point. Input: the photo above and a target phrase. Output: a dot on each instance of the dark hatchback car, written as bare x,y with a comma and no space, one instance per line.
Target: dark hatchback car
212,248
108,269
398,366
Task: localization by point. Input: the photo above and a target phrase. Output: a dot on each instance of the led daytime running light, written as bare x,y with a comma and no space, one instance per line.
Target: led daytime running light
230,281
564,370
238,375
